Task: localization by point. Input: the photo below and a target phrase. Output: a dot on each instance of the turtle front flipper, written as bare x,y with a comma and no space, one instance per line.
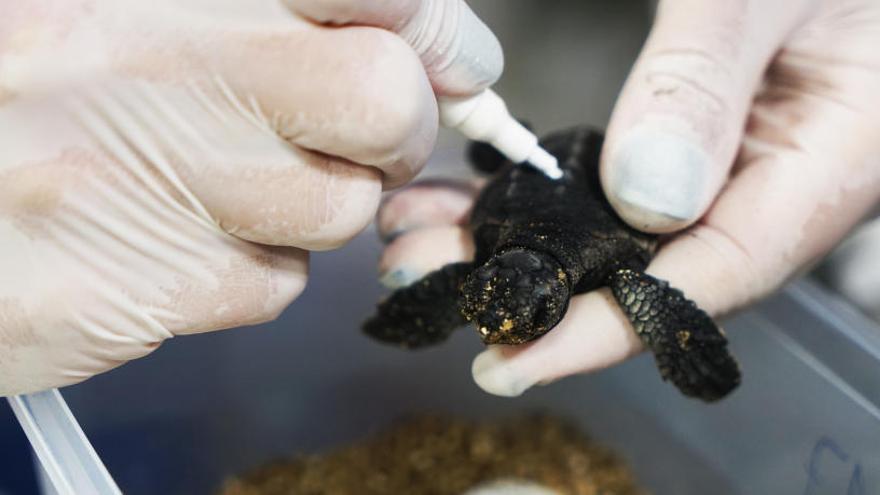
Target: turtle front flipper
423,313
690,350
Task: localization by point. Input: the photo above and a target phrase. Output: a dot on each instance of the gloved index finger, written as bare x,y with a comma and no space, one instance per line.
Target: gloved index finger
460,54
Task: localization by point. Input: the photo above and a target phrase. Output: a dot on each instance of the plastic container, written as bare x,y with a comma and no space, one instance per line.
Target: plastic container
68,465
805,420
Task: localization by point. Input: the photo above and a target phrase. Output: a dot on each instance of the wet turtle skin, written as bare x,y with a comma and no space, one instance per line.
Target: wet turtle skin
538,242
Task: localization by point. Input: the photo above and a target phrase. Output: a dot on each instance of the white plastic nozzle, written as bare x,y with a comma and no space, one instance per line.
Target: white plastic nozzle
484,117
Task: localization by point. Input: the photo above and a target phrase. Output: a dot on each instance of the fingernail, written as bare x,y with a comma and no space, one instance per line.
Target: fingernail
388,238
495,375
399,277
660,180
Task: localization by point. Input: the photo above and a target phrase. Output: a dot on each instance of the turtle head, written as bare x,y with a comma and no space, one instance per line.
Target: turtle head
518,295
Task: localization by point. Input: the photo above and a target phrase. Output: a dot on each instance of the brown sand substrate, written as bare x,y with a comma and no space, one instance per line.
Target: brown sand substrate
431,455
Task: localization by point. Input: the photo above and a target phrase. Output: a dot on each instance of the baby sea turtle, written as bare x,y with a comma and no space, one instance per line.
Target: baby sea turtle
538,242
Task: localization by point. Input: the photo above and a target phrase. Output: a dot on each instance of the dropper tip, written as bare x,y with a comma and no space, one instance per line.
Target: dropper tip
546,163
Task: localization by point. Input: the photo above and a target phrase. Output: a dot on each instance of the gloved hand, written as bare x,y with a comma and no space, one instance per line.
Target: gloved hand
756,127
165,166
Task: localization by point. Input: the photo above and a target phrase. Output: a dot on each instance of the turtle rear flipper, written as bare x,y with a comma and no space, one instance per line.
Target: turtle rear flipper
690,350
423,313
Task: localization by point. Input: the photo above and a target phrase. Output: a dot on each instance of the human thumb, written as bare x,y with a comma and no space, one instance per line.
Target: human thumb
677,125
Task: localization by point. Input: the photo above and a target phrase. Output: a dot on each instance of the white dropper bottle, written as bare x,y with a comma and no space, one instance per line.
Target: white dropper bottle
484,117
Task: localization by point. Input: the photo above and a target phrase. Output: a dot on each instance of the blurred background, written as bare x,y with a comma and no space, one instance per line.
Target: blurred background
201,408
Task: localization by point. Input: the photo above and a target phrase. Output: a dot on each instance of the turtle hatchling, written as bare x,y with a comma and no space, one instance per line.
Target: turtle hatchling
539,241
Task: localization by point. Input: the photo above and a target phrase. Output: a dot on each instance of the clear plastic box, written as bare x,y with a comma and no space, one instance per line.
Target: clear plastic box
806,419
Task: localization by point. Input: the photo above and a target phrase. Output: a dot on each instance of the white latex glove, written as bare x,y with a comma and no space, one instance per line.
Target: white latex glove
166,165
757,124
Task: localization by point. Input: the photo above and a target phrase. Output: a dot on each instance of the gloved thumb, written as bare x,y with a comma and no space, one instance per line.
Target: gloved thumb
460,54
677,125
